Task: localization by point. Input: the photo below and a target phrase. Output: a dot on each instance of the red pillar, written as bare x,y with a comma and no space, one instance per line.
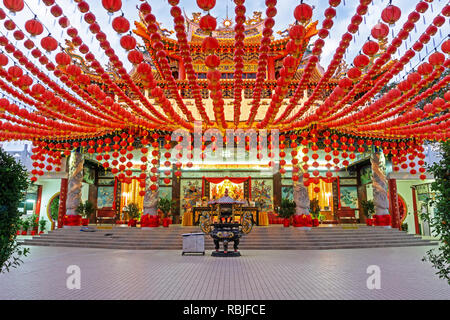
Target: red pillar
416,216
181,70
393,204
38,203
271,68
62,202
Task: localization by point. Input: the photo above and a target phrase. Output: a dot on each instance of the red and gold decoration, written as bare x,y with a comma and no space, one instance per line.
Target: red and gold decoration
58,94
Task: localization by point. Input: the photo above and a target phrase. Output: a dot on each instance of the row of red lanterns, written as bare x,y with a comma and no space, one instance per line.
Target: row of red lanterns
335,62
134,56
330,13
271,11
210,46
239,37
184,48
403,34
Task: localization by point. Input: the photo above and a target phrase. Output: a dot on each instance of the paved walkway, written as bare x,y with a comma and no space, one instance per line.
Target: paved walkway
122,274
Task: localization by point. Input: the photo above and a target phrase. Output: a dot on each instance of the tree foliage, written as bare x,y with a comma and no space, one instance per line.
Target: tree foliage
287,208
440,257
13,184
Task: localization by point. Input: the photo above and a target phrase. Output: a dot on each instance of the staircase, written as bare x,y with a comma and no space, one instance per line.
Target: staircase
274,237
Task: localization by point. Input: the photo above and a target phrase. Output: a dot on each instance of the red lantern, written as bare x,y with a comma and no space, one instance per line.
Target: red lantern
56,10
34,27
354,73
446,47
49,43
297,32
15,72
446,11
303,13
425,68
209,45
3,60
436,59
212,61
370,48
62,59
10,25
120,24
83,6
208,23
128,42
380,31
345,83
391,14
13,5
135,57
145,8
361,61
89,18
112,5
73,70
18,35
206,5
422,7
63,22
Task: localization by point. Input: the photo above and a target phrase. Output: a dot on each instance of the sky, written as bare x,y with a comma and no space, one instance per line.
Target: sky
284,17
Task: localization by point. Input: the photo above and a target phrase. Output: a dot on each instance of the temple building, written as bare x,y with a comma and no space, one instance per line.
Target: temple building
229,106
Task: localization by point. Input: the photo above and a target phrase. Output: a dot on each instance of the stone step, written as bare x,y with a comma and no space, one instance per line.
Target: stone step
243,243
264,238
248,236
207,248
255,228
244,239
253,234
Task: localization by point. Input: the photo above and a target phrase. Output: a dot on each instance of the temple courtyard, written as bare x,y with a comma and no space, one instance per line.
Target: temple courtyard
47,273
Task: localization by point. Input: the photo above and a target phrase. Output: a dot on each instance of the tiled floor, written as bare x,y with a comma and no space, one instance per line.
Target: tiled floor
122,274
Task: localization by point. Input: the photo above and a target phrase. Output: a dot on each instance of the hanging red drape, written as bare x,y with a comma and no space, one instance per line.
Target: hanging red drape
233,180
115,193
331,180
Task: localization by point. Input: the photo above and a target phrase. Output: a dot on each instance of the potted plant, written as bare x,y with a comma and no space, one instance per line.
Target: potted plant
80,210
165,205
405,227
25,226
42,226
19,227
34,224
286,211
314,209
133,214
369,209
87,212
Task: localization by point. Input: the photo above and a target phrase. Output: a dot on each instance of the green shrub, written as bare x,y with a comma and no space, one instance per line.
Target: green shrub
287,208
43,225
13,184
133,210
440,221
314,208
368,208
166,205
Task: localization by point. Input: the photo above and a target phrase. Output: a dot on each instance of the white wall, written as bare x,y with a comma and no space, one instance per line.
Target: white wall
404,189
49,188
84,192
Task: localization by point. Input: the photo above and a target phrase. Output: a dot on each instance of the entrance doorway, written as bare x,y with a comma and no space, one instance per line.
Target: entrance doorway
52,210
